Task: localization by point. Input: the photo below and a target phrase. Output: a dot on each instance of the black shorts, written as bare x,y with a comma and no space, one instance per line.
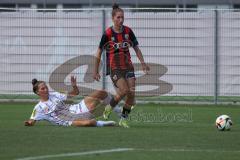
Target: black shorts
124,73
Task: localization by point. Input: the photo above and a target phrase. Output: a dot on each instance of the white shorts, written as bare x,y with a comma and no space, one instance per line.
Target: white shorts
76,111
79,108
56,120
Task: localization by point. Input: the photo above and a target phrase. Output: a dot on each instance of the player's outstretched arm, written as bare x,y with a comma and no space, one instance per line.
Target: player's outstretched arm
96,74
29,122
145,67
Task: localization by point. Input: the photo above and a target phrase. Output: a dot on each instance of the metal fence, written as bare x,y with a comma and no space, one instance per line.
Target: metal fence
193,56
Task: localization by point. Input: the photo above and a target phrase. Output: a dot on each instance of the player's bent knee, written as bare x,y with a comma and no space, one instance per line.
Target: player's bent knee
125,91
130,97
131,94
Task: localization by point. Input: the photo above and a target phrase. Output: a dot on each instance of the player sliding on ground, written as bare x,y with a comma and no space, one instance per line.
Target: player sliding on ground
53,109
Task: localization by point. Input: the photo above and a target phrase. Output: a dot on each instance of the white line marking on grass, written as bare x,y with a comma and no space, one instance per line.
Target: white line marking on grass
185,150
77,154
127,149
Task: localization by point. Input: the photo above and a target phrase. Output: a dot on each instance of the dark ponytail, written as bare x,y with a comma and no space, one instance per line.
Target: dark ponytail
115,6
115,9
35,84
34,81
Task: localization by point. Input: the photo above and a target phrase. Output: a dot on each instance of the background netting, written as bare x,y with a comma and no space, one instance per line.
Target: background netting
194,56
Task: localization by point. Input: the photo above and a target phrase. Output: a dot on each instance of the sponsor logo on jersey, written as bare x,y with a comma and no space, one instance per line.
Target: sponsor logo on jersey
115,77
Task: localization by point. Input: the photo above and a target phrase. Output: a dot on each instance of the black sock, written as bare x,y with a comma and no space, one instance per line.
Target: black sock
113,102
125,112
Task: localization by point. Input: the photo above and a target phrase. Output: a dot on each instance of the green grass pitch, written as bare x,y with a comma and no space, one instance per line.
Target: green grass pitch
166,132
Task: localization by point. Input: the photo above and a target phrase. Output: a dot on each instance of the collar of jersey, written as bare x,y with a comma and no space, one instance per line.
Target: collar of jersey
121,30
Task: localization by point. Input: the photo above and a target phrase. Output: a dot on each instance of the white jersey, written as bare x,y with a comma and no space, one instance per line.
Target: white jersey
57,112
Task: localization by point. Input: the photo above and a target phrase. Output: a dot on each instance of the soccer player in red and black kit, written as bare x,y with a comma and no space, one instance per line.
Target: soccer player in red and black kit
116,41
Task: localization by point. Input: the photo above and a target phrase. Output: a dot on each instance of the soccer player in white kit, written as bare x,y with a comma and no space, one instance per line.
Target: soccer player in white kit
53,109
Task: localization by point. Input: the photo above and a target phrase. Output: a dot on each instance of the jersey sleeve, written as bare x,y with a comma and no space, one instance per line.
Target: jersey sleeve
36,115
103,41
60,96
133,38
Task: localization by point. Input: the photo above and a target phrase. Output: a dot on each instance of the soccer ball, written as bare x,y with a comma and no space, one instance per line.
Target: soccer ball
223,122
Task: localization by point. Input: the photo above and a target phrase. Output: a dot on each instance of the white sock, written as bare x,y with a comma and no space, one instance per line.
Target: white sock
118,110
99,123
105,123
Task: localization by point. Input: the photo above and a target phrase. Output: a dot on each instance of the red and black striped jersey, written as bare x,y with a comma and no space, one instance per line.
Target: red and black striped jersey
117,47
